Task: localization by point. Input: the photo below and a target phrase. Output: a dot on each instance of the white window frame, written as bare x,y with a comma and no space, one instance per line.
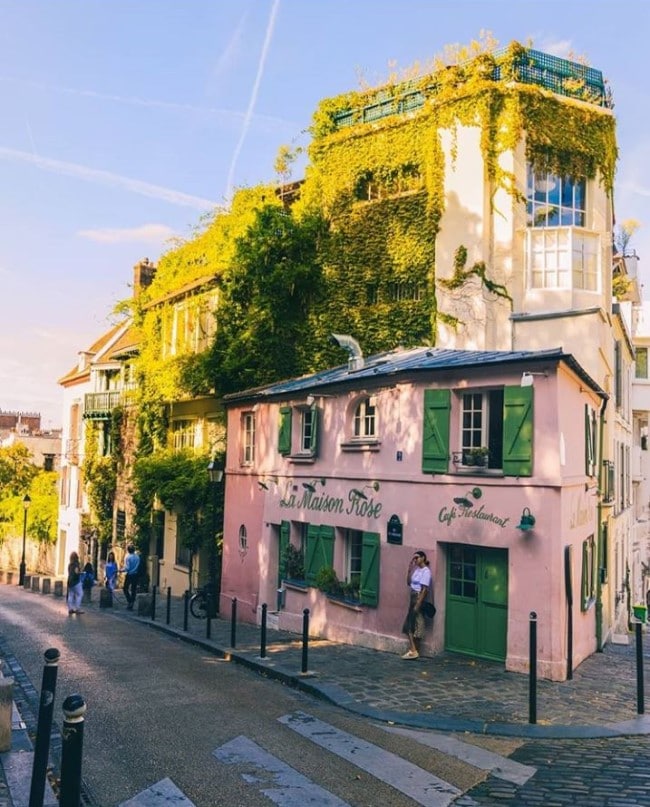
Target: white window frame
307,417
183,434
364,426
353,541
248,438
563,258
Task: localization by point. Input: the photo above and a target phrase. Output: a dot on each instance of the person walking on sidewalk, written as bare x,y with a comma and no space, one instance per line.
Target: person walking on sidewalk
132,569
110,573
75,590
418,579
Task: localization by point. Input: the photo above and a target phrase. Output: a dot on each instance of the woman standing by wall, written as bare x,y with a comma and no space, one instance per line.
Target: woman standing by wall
418,578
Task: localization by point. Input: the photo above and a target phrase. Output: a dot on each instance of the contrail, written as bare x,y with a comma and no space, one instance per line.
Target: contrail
253,99
107,178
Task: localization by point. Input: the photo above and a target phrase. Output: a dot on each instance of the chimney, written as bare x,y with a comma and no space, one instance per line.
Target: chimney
143,274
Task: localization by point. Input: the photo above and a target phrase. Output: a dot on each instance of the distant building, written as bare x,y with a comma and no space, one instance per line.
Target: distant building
21,422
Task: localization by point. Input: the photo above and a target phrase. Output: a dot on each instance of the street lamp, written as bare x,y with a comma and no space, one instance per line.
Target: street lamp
21,575
215,475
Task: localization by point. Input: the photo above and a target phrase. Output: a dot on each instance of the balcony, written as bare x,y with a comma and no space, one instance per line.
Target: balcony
99,405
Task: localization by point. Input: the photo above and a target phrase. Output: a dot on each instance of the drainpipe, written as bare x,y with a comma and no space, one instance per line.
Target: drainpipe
600,548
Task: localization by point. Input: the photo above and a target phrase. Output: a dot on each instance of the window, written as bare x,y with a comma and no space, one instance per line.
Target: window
399,292
588,577
183,434
65,487
553,201
364,419
48,462
353,552
462,571
591,462
306,436
361,558
120,526
243,540
641,362
500,420
618,374
562,258
158,529
248,438
406,179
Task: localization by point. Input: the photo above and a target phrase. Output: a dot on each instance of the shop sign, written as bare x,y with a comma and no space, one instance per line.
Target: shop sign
355,505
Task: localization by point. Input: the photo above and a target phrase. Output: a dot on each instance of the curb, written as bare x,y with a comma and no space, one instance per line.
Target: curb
337,696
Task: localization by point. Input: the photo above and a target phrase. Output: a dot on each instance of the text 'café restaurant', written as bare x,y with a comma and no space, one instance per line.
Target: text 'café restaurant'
482,459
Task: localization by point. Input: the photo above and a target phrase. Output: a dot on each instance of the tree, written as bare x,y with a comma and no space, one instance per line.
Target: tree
16,470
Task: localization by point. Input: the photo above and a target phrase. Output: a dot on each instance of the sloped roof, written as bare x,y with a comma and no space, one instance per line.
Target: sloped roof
76,374
408,362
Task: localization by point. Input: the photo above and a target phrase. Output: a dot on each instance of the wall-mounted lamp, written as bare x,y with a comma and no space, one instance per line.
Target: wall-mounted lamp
310,400
359,493
527,520
465,501
311,486
215,471
266,481
527,378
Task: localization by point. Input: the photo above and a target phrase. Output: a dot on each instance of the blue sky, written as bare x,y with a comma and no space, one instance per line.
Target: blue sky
123,121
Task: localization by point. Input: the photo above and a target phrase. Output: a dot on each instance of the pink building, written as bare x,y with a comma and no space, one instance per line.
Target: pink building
486,460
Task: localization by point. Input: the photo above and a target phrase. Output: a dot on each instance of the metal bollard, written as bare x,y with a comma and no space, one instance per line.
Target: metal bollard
153,603
233,622
208,621
305,640
44,729
74,709
263,632
640,706
532,683
186,608
169,604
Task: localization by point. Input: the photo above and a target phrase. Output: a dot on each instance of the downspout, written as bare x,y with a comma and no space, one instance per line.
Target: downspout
600,548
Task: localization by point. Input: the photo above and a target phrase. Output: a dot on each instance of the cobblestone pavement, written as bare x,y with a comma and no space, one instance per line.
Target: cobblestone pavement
449,691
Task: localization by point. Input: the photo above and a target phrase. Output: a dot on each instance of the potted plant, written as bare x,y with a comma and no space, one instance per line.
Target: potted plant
476,456
293,563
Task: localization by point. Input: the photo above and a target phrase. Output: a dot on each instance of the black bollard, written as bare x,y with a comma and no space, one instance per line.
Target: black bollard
44,729
74,709
169,604
233,622
186,608
208,621
305,640
263,632
532,683
153,603
640,706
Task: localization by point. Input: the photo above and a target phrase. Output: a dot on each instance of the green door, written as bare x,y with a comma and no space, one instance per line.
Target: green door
477,601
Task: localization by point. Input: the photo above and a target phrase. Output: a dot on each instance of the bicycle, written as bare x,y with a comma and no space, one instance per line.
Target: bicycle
199,602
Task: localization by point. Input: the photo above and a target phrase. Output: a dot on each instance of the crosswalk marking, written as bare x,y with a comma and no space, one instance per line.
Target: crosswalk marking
501,767
276,780
420,785
162,793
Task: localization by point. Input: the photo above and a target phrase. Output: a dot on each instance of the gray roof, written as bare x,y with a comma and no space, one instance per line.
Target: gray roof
407,362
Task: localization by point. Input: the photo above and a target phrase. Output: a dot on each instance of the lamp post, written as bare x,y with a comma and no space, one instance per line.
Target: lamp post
215,475
21,575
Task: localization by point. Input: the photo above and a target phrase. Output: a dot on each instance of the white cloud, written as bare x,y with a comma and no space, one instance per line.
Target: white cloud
560,47
146,233
107,178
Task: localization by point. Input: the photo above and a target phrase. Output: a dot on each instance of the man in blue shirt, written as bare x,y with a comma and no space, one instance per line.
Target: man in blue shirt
132,568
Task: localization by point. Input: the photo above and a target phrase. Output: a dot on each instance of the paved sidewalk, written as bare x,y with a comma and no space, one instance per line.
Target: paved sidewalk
450,692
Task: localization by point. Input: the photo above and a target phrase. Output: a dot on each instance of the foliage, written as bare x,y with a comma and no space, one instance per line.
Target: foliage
267,295
16,470
100,477
620,286
327,581
293,562
624,234
43,511
179,480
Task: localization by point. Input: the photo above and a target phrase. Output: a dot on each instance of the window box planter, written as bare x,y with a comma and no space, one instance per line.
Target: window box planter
296,585
352,605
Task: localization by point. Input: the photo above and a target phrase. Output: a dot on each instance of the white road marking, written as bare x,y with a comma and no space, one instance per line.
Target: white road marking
275,779
420,785
161,794
501,767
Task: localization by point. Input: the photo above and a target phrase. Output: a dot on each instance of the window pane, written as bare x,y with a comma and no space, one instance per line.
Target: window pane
469,590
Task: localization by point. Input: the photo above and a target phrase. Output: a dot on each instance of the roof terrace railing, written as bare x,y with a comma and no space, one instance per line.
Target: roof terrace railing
561,76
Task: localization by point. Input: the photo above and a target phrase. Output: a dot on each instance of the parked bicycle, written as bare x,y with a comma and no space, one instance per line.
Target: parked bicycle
200,601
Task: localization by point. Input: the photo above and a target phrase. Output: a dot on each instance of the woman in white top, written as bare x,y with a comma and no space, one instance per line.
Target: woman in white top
418,579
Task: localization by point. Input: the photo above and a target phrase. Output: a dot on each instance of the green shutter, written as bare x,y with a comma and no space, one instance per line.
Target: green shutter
315,416
284,543
584,581
369,584
284,432
435,433
590,453
312,554
319,551
518,431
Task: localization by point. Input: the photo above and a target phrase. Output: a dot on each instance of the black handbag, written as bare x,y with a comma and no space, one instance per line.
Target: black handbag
428,609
